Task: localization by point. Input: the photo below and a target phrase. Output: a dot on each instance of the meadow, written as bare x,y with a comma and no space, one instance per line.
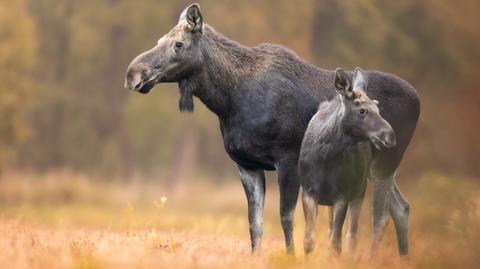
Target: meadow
66,220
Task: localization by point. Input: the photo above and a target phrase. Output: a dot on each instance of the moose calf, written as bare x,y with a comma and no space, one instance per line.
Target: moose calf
335,156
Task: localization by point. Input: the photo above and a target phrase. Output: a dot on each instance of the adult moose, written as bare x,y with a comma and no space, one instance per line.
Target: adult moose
335,157
264,97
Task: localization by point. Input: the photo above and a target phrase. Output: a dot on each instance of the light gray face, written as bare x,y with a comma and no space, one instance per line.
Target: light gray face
362,118
176,55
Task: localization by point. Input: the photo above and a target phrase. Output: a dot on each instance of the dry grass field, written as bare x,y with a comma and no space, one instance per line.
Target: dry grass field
69,221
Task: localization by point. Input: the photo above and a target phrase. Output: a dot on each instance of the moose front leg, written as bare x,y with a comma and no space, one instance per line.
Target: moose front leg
354,209
289,188
254,185
339,212
330,220
310,209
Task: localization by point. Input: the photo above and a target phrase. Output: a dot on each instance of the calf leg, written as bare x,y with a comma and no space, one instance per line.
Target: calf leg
399,210
254,185
381,200
310,208
339,212
289,188
355,207
330,220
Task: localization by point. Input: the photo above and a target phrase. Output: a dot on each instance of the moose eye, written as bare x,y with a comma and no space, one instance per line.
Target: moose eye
178,45
362,111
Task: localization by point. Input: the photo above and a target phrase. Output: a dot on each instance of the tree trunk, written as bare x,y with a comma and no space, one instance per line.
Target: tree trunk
185,150
118,97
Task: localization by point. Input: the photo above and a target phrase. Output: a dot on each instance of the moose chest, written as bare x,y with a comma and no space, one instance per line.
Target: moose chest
347,173
342,176
248,144
255,138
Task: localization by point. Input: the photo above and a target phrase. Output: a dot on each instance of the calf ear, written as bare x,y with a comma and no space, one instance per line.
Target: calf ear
193,16
342,83
360,79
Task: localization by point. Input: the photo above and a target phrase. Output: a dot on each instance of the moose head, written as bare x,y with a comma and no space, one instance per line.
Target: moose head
362,119
176,56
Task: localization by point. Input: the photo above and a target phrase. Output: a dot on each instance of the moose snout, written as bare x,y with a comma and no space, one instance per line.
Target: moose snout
136,76
133,81
388,138
383,138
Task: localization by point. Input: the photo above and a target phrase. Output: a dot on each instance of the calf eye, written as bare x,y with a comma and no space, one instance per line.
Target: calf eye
178,45
362,111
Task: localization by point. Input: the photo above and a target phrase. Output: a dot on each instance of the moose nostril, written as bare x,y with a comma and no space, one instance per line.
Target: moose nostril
137,85
144,74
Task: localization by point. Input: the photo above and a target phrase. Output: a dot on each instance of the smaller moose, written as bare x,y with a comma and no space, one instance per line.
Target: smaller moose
335,157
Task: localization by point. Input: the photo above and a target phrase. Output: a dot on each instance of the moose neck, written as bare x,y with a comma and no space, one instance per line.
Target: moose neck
332,139
225,64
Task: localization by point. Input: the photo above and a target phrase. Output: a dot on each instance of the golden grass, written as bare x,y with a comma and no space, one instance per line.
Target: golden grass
64,220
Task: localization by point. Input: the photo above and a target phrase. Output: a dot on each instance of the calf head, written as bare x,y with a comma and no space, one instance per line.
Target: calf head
176,55
362,119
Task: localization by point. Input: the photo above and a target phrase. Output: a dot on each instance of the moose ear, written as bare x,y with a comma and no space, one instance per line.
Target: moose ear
360,79
342,83
193,17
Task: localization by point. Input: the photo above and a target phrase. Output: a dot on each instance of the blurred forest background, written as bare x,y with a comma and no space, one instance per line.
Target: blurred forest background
62,65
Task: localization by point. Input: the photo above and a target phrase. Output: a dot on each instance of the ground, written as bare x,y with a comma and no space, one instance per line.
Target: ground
63,220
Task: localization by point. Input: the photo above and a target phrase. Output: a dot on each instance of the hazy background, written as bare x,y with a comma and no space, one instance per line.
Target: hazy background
62,64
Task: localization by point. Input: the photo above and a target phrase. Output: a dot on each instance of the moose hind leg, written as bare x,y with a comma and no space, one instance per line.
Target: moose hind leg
382,189
399,210
289,188
253,182
310,209
339,212
355,207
